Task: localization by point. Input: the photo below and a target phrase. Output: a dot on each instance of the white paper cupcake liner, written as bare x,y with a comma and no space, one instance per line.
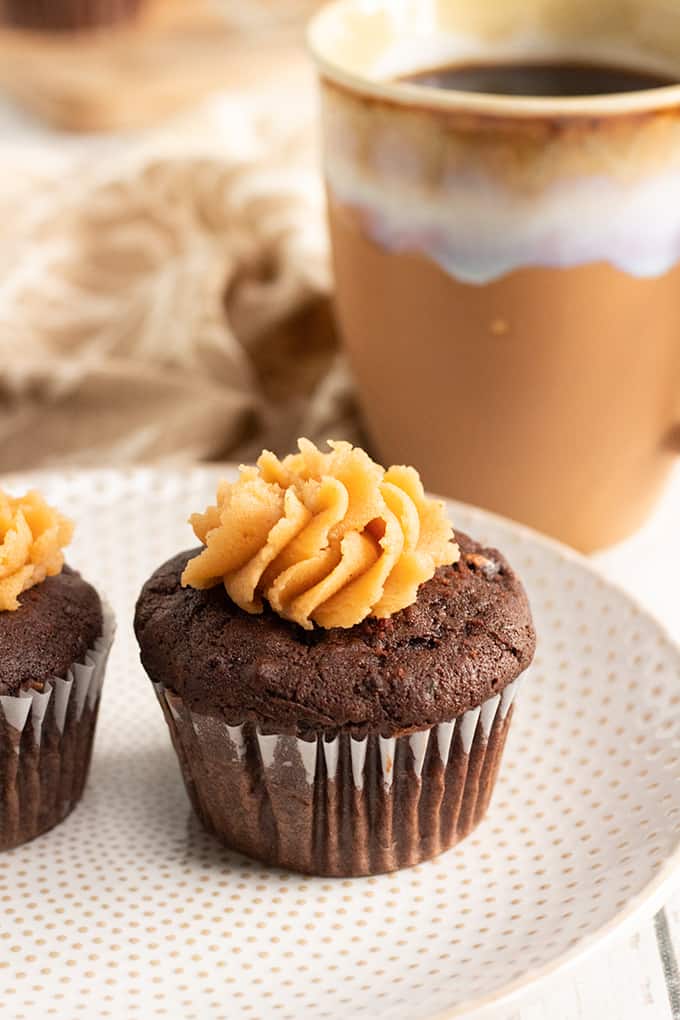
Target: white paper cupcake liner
46,743
341,806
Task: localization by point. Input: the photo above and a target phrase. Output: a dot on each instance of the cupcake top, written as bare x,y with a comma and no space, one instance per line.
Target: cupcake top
467,636
414,630
49,616
325,538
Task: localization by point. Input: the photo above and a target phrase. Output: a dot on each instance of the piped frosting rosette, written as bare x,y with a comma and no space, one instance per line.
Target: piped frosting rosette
325,538
32,538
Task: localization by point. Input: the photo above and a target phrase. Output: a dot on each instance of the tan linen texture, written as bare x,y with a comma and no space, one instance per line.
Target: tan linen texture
168,299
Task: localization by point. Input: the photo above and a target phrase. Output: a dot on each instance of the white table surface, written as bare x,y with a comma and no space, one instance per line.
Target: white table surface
634,978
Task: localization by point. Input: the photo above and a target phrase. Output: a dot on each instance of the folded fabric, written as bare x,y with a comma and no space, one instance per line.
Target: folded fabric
167,297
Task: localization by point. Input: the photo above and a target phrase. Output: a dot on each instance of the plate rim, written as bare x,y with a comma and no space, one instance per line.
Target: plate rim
639,907
652,897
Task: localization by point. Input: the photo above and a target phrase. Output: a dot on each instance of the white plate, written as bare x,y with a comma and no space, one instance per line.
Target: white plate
129,909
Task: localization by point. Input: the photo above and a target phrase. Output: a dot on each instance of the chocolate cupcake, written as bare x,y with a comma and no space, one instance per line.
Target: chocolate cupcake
55,636
64,15
336,672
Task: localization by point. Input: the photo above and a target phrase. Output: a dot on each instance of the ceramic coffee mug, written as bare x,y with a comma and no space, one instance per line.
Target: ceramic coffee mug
507,268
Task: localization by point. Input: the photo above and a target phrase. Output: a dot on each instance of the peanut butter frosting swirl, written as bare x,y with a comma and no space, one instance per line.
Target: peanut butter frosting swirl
325,538
32,537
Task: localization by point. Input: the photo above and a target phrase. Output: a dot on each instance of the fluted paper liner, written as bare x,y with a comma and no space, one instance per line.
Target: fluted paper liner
341,806
46,741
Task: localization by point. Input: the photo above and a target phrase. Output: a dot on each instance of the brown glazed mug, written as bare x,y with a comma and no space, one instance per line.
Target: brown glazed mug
508,268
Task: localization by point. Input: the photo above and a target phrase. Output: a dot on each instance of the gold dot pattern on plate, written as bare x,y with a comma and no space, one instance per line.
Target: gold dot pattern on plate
130,909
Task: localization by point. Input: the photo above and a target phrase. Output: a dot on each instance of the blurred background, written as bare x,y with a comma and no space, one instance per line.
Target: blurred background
163,259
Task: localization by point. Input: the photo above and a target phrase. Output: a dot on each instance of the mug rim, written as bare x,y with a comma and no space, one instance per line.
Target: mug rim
404,93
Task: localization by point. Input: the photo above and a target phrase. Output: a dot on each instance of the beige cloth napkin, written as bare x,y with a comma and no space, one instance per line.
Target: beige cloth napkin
167,298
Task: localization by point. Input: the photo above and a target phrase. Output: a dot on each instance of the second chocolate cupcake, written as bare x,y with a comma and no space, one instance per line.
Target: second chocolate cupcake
337,673
55,637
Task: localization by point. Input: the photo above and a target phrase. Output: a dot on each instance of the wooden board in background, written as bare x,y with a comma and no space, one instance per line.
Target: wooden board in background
173,54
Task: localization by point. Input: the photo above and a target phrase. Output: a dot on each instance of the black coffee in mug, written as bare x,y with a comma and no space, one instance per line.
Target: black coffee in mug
545,78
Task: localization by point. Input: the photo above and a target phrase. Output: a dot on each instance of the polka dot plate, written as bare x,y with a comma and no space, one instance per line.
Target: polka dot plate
128,909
